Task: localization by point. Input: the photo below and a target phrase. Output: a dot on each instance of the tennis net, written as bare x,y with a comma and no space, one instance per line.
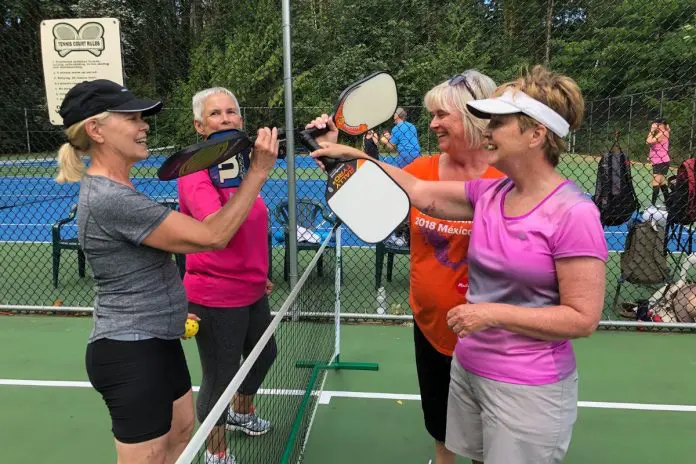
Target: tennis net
306,343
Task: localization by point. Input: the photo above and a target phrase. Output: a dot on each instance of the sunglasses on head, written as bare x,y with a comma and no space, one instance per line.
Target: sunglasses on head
459,79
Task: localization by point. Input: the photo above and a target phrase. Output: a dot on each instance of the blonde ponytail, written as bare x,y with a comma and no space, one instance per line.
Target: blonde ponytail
70,165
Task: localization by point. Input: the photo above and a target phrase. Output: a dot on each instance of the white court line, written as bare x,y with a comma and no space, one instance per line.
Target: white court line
82,384
326,396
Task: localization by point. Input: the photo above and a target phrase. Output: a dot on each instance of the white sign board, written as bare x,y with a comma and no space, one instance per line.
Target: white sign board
76,50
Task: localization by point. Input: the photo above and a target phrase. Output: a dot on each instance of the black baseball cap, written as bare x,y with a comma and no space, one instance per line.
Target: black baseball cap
90,98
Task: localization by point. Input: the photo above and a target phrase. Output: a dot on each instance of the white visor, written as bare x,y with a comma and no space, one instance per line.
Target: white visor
516,101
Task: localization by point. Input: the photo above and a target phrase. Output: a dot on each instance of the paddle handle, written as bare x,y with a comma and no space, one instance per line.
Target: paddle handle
307,137
308,140
281,148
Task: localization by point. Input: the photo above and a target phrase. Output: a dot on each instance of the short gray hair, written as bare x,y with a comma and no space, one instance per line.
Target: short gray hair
453,98
401,113
199,100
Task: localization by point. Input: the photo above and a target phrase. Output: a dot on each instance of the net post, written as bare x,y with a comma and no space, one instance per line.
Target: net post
26,127
337,285
693,123
290,443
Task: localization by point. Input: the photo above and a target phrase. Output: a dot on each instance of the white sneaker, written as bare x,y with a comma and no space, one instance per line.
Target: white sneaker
227,458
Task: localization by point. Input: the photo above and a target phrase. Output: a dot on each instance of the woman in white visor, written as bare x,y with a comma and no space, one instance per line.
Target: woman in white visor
537,258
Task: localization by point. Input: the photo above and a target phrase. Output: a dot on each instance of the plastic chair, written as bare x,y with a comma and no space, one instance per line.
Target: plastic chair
312,216
60,243
389,248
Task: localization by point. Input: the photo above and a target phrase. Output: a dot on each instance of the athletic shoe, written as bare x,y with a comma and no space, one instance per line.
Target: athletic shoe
251,424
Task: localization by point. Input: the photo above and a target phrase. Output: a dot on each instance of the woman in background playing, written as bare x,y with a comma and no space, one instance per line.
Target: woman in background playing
134,356
536,276
658,139
371,144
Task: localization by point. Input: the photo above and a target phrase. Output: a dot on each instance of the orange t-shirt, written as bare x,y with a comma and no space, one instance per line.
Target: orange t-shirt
439,270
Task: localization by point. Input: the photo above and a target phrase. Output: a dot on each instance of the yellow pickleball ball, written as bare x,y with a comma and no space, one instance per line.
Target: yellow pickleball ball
191,328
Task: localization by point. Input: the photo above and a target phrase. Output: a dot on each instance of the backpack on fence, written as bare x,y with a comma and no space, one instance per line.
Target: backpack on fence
643,260
614,194
681,203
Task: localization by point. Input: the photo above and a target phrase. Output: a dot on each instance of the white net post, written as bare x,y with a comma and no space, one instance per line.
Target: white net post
337,305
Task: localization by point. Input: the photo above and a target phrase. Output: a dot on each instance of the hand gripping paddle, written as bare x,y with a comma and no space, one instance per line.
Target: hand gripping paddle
231,144
359,192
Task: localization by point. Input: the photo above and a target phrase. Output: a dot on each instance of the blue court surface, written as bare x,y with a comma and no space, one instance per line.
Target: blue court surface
41,201
33,204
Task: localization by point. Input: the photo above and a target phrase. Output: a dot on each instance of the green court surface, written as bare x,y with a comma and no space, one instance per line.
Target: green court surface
636,393
356,294
30,265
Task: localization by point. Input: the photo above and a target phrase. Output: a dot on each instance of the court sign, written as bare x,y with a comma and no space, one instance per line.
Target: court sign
75,50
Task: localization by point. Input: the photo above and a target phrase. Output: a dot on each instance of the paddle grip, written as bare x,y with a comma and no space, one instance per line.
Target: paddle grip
308,140
282,148
308,137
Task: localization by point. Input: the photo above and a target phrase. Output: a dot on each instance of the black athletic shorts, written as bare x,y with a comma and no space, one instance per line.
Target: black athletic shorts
139,382
433,378
661,168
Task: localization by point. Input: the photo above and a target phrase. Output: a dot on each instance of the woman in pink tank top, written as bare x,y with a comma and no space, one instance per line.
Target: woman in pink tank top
536,267
658,139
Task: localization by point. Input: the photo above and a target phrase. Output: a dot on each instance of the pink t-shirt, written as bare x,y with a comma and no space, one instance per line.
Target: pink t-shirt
659,152
235,275
511,260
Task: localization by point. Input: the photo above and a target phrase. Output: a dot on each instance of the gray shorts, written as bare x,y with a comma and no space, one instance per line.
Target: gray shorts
504,423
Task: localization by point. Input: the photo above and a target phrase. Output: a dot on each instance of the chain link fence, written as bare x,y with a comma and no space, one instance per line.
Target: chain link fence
634,60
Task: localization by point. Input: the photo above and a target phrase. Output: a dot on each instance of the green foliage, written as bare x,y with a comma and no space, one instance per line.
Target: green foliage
634,59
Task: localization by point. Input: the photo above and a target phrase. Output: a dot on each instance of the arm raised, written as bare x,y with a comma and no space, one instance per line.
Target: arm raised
179,233
441,199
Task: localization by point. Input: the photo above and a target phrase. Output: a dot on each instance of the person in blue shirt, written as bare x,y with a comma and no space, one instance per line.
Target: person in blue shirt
403,139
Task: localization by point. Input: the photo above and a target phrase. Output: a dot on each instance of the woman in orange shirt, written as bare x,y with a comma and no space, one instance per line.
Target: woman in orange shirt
439,247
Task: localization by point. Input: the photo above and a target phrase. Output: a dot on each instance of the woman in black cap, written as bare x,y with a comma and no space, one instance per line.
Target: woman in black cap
134,356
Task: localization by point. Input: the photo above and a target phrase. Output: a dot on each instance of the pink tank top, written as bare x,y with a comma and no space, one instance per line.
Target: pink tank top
659,152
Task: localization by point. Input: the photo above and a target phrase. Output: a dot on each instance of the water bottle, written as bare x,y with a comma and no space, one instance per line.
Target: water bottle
381,301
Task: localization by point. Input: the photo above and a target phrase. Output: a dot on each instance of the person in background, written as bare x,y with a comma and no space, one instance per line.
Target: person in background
371,144
658,139
403,139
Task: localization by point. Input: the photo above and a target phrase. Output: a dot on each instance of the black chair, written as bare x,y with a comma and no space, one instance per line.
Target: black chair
311,215
389,249
60,243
